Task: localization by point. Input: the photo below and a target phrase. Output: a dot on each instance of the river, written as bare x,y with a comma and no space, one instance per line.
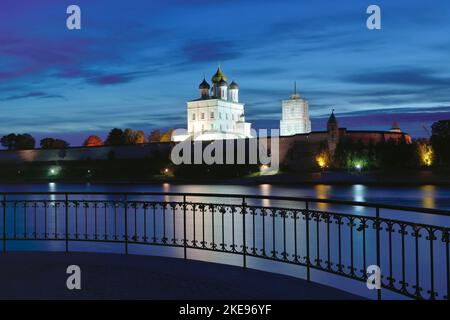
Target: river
427,196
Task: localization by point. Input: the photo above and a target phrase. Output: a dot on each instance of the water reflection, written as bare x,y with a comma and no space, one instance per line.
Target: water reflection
414,196
428,196
52,188
166,188
359,195
322,192
265,190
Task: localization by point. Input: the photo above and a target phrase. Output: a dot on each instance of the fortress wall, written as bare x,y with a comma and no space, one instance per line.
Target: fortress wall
83,153
295,152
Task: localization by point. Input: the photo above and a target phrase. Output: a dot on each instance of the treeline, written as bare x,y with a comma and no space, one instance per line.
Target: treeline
14,141
115,137
351,155
433,152
26,141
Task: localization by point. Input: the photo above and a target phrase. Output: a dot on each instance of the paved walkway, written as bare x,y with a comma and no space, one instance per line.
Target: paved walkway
42,275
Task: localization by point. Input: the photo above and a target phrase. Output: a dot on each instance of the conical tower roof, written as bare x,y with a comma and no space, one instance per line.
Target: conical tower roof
219,76
332,118
204,84
395,126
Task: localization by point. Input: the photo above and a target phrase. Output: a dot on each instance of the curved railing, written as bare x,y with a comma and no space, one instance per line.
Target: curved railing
410,245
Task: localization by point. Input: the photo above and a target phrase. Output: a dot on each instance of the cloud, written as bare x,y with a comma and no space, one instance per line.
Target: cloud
210,51
110,79
406,76
103,77
35,94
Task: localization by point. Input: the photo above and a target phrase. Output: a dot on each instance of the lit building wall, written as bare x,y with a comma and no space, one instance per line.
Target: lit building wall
216,115
295,116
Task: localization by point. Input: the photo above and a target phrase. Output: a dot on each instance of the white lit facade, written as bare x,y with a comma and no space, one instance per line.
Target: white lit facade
295,116
217,114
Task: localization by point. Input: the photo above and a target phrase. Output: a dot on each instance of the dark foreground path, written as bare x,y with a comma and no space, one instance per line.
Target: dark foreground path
112,276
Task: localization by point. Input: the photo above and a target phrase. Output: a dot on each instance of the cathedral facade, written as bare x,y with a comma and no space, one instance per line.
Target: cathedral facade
217,113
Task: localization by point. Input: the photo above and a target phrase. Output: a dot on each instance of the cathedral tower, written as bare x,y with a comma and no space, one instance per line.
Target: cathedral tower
333,133
204,89
234,92
295,115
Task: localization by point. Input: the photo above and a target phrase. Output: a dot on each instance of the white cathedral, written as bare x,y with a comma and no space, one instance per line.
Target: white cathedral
217,113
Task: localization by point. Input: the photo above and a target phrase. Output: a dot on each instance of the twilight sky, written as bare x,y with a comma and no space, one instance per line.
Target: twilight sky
135,63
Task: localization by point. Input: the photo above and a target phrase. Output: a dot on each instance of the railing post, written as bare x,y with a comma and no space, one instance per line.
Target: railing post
184,228
244,242
66,202
126,223
378,248
308,262
4,224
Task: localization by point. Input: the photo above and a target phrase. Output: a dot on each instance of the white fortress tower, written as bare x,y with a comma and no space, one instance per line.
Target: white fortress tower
217,114
295,115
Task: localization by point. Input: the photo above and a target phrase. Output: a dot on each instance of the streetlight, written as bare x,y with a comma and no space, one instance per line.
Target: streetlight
54,171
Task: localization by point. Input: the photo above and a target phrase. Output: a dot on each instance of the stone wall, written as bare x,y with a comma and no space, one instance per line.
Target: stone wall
84,153
296,153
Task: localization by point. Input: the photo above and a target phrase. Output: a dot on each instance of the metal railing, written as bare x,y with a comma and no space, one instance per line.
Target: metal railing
316,234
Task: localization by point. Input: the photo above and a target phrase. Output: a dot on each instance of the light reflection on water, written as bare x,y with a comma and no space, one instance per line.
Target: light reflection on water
322,192
419,196
428,196
266,190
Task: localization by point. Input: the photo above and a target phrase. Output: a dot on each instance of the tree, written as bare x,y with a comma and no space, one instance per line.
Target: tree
425,152
9,141
129,136
50,143
394,154
167,136
139,137
25,142
18,141
93,141
47,143
115,137
440,141
353,155
155,136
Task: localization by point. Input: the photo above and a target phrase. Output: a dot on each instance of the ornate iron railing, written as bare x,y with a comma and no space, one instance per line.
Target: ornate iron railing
316,234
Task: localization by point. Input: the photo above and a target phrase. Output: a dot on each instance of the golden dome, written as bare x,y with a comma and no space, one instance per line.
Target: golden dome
219,76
